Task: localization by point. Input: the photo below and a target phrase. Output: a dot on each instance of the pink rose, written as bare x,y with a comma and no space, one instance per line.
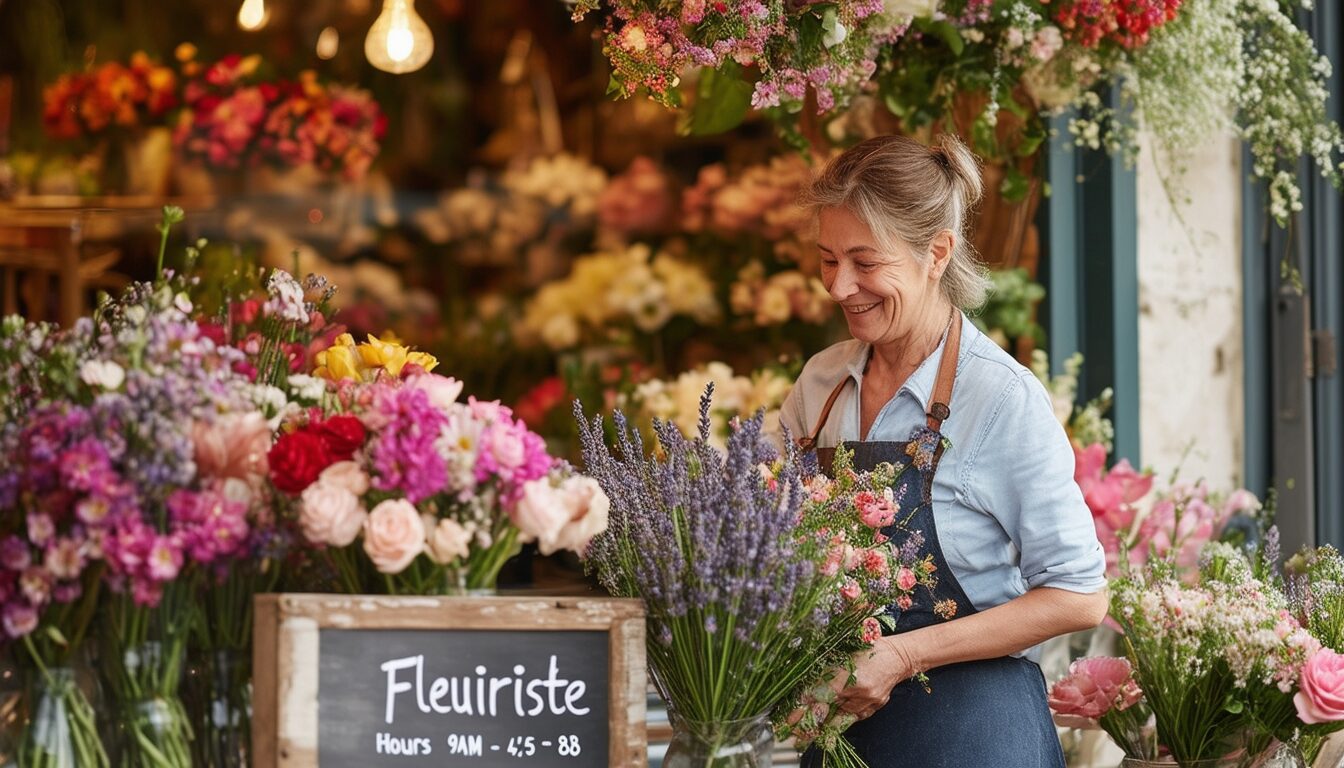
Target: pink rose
1320,696
1093,687
905,579
540,513
330,514
872,630
506,446
347,475
878,514
393,535
564,517
235,445
447,540
443,391
851,590
588,508
904,602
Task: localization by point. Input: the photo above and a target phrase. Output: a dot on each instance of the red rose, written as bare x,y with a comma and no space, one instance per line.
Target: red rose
298,357
342,436
297,459
213,331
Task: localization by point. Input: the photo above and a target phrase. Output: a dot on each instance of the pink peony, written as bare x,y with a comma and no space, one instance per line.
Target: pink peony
235,445
1093,687
393,535
1320,697
447,540
330,514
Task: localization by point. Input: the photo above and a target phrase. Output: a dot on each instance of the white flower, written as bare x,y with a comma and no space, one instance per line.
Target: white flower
102,373
835,36
307,388
917,8
286,300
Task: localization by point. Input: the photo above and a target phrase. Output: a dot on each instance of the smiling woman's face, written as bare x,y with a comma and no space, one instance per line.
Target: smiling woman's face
885,295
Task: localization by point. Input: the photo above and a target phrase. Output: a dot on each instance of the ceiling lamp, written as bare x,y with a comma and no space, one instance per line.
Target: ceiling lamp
399,40
253,15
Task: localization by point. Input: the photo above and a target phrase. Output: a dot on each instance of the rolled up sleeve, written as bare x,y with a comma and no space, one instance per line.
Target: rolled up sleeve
791,413
1020,471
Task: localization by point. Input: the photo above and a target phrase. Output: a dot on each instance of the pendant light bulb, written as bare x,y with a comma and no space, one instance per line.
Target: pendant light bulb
328,42
253,15
399,40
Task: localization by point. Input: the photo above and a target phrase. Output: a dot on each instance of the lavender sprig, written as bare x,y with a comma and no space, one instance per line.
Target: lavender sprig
737,605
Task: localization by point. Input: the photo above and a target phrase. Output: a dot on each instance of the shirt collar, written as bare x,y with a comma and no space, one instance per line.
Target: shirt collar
921,382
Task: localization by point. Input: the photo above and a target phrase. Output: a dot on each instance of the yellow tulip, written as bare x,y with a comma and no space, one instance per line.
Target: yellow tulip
378,353
338,362
424,360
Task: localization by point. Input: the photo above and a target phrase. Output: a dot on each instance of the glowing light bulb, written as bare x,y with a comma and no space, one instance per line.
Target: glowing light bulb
399,40
328,41
253,15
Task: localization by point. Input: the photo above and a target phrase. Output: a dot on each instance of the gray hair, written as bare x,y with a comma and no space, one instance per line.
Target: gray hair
907,192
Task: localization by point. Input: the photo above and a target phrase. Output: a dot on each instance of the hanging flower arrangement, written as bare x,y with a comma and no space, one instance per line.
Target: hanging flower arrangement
995,71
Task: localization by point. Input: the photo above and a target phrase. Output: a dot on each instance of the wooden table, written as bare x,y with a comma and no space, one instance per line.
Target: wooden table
46,233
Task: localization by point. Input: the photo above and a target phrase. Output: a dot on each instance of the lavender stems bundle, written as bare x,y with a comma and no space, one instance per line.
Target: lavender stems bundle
738,606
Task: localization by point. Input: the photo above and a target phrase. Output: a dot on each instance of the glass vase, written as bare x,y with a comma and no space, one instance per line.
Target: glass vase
1276,756
747,743
151,728
61,730
218,696
1238,760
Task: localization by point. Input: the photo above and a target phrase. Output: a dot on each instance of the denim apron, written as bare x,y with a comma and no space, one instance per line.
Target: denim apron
976,714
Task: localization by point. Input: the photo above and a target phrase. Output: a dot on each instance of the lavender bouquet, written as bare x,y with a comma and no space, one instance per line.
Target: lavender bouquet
743,612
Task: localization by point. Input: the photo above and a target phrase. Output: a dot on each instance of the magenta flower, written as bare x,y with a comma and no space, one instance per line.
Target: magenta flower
165,559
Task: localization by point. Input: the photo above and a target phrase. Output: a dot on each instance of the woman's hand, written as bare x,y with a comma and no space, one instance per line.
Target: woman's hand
877,671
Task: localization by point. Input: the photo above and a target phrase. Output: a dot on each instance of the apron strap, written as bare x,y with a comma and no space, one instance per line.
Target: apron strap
808,442
947,373
942,388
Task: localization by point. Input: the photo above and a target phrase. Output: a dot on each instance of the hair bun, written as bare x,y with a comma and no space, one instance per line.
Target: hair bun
953,155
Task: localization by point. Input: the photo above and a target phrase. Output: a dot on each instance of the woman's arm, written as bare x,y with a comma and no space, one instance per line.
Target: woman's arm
1020,623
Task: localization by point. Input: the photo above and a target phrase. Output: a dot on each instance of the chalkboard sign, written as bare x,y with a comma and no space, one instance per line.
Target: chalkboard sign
346,681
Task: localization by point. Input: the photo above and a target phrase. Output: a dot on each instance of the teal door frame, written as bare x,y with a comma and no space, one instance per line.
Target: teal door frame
1090,273
1294,392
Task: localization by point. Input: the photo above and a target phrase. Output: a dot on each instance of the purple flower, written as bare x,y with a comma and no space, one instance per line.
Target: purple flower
14,553
19,618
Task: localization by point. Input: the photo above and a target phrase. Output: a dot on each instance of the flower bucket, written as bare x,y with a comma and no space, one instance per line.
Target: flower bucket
148,159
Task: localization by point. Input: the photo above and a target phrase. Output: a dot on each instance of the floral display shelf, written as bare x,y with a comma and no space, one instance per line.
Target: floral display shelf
46,234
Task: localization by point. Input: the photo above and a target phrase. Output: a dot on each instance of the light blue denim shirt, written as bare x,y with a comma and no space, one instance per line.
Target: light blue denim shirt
1009,515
